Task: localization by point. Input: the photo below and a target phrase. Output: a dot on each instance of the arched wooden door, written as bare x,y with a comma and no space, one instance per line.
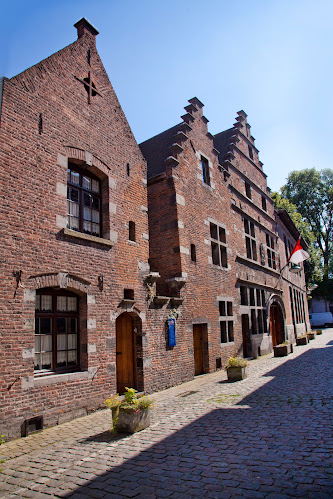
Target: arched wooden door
276,324
125,353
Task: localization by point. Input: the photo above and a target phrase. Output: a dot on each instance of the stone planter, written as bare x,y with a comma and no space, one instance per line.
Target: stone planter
302,341
282,350
129,421
311,336
236,373
319,331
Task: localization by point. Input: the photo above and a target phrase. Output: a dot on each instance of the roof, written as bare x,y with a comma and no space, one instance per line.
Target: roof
289,224
222,142
155,150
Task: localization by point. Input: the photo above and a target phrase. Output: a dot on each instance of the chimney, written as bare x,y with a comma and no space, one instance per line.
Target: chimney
85,28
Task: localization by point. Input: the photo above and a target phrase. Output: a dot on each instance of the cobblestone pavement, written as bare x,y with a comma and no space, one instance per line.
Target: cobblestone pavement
267,436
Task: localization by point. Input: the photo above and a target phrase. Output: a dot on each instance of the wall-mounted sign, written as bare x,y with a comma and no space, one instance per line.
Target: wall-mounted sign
172,332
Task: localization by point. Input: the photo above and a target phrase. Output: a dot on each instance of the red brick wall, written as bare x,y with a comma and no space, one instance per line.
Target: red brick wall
33,215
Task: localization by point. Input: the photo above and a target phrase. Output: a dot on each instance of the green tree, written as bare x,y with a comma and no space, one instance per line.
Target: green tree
312,193
312,266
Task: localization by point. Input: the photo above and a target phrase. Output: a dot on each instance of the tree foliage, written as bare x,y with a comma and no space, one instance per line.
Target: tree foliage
312,266
312,193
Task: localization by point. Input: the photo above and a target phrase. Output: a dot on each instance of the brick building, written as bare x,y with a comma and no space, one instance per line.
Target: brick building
88,300
218,243
74,232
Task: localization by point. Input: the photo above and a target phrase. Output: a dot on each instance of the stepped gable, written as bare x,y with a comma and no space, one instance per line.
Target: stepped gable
162,150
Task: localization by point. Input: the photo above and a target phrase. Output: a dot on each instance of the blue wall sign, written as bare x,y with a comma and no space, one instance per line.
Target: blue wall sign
172,332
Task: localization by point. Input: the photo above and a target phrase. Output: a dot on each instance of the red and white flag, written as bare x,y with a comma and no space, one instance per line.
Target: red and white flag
298,254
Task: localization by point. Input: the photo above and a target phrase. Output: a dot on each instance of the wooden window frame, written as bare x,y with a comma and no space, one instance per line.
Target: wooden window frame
271,252
250,240
82,191
205,170
226,320
53,315
256,301
218,245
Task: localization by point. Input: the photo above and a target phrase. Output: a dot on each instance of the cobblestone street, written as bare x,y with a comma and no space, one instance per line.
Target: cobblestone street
267,436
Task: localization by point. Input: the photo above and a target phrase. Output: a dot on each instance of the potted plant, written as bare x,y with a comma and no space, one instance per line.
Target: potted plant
131,413
283,349
236,369
302,340
319,331
311,335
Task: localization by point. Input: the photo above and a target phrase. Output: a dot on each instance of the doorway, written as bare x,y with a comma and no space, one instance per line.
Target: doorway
125,353
247,344
200,340
276,324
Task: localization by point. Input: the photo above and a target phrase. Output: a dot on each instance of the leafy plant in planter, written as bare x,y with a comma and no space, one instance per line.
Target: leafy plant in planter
130,414
236,368
319,331
283,349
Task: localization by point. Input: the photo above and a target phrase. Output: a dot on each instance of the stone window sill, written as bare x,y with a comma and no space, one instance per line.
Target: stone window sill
88,237
50,379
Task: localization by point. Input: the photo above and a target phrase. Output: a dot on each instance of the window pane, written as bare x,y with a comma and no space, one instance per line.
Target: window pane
72,325
75,178
222,235
87,227
244,298
61,304
253,322
96,231
263,297
95,202
74,209
222,308
74,223
252,230
231,331
61,342
215,254
95,216
61,359
87,199
46,343
45,325
74,195
86,183
229,308
46,302
248,248
61,325
223,327
224,260
72,341
87,214
246,226
46,360
254,250
71,304
252,297
72,358
213,231
258,298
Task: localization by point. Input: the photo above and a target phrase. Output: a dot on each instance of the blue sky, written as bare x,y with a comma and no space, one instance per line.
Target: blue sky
271,58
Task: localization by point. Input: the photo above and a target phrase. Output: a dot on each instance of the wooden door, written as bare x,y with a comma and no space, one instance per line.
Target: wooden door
275,320
125,353
198,338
